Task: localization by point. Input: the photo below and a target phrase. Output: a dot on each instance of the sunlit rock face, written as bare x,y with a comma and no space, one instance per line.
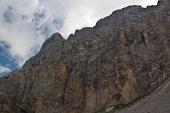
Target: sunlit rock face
126,55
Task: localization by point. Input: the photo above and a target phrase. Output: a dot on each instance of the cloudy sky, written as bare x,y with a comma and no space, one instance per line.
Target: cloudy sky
25,24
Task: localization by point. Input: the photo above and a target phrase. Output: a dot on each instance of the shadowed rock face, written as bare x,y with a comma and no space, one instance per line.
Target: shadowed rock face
126,55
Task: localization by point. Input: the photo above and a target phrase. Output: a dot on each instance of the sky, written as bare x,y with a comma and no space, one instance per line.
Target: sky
26,24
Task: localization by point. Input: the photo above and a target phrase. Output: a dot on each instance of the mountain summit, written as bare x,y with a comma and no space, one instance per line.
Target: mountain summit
126,56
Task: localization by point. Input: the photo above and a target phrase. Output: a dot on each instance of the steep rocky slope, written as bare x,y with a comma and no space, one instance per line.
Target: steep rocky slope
156,102
125,56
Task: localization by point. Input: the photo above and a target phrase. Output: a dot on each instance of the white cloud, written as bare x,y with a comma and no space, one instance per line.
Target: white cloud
86,13
29,22
4,69
149,2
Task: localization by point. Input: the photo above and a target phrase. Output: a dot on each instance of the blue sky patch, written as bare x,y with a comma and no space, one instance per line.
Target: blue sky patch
5,59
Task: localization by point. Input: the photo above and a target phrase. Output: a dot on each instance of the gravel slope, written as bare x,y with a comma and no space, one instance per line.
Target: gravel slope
157,102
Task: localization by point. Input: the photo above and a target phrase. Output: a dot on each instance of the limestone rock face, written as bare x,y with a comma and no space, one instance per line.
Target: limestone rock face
126,55
157,102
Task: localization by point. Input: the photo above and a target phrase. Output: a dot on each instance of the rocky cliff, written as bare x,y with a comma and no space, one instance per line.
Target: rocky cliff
157,102
125,56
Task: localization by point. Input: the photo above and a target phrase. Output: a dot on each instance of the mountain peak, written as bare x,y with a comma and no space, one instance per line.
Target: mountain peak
57,35
54,41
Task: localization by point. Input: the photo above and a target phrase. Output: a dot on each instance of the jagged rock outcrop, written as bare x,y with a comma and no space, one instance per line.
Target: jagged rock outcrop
125,56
